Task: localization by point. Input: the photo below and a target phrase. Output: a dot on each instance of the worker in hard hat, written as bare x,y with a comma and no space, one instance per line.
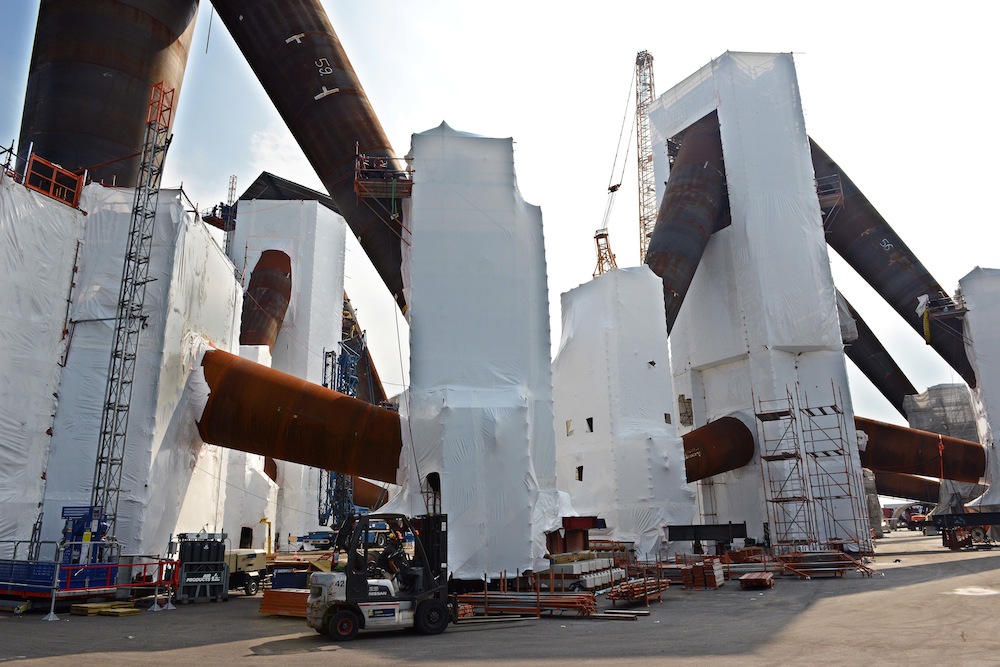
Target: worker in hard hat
393,557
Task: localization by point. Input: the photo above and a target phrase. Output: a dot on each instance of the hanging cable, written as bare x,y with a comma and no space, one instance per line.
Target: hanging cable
621,133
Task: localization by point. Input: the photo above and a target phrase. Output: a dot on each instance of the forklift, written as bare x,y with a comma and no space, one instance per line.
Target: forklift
402,584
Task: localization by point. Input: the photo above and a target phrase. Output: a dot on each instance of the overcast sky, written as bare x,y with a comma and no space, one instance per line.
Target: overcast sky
899,94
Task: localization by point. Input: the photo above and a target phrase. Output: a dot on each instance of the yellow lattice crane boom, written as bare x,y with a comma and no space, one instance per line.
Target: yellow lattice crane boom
645,93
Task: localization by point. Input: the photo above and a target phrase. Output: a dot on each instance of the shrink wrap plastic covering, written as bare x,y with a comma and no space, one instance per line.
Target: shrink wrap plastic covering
760,318
981,289
314,238
170,478
479,407
775,249
38,243
613,398
948,409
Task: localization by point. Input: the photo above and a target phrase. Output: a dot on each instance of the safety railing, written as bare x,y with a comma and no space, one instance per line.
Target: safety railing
35,570
53,181
7,163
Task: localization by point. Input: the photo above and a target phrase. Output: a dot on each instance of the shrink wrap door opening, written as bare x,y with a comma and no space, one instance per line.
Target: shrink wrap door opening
692,206
266,299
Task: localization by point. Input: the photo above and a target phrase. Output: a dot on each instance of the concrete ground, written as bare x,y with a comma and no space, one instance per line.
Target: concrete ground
931,607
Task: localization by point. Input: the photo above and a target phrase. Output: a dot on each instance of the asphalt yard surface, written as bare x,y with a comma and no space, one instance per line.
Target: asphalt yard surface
931,607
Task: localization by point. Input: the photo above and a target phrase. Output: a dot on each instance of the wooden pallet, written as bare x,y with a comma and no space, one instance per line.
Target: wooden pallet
119,611
285,602
757,580
94,608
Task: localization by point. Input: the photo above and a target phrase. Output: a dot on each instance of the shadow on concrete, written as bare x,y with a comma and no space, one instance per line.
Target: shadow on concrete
726,623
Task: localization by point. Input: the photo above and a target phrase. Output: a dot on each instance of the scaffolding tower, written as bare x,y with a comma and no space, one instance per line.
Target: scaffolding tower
837,488
336,490
129,317
789,511
811,486
645,93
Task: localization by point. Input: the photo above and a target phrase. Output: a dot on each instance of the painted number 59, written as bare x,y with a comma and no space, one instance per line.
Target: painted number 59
323,65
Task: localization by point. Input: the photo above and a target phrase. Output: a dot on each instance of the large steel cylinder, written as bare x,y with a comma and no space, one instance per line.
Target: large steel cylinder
723,445
367,494
911,487
92,67
865,240
693,204
259,410
900,449
296,55
872,359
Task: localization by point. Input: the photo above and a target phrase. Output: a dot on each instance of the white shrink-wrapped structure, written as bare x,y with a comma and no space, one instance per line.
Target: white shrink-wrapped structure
313,237
169,477
618,453
758,333
981,290
61,278
39,239
477,433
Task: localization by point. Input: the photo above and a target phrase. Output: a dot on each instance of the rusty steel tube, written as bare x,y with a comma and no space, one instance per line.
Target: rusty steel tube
723,445
259,410
865,240
911,487
92,67
367,494
302,65
694,202
266,299
872,359
900,449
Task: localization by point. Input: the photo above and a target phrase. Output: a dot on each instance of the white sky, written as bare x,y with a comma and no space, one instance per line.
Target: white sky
898,93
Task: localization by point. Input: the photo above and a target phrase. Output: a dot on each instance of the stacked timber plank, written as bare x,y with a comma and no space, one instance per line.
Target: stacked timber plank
705,575
285,602
99,608
571,557
119,611
757,580
490,603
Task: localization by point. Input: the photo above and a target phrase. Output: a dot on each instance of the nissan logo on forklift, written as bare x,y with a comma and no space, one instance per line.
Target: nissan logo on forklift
400,583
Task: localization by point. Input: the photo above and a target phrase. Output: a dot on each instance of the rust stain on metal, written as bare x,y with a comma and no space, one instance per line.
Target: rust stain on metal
900,449
259,410
723,445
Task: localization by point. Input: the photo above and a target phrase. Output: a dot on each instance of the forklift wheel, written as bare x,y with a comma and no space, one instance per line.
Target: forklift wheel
431,618
251,587
343,626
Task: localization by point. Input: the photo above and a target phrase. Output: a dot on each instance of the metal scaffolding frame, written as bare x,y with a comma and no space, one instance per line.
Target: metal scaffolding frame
129,318
786,492
810,482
